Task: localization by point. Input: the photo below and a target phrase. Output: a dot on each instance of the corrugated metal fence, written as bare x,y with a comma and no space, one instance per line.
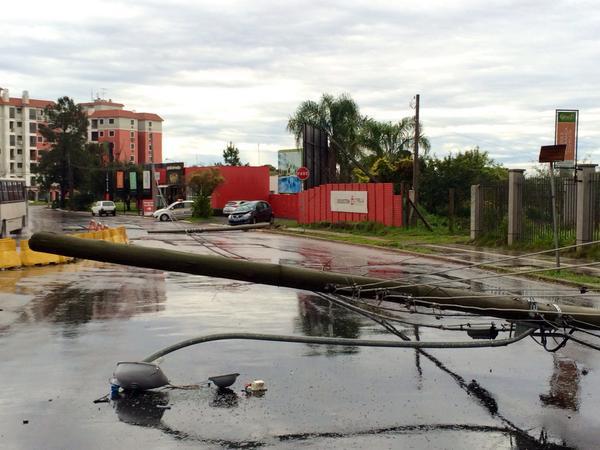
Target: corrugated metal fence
314,204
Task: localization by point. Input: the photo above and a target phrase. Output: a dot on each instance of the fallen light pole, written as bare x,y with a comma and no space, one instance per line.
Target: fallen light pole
253,226
503,306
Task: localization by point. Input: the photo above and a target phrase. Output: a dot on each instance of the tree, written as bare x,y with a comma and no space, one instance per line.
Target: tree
340,119
231,155
458,171
66,162
203,185
393,141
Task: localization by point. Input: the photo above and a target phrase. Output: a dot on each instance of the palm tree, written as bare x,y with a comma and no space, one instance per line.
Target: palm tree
393,141
340,119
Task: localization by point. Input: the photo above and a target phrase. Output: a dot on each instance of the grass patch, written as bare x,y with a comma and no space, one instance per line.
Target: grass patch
374,233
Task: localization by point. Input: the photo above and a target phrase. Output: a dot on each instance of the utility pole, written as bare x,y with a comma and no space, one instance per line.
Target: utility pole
416,153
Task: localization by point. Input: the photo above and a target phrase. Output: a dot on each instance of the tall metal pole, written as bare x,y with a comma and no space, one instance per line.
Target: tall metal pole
416,153
554,214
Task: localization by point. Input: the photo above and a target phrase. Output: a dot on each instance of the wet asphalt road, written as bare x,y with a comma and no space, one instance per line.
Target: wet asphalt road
63,329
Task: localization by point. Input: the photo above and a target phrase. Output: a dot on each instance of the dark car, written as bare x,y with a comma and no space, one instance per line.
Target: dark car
252,212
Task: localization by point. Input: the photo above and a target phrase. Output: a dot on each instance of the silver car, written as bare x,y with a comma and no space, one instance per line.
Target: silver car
175,211
232,206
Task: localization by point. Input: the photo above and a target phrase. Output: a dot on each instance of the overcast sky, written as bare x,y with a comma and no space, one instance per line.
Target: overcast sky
489,73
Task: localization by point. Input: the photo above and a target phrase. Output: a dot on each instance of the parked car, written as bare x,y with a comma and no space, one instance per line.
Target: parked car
252,212
231,206
105,207
175,211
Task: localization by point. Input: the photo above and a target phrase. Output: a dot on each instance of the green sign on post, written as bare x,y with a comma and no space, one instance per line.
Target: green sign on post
564,116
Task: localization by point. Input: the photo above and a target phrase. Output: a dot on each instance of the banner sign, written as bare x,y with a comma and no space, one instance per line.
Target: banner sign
132,181
120,182
349,201
288,163
148,206
146,181
566,132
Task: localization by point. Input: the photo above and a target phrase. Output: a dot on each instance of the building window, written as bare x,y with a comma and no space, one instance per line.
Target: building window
132,146
111,133
32,114
132,158
39,139
132,140
94,136
32,127
19,140
150,136
11,126
101,121
11,113
19,151
19,165
19,124
102,134
111,121
132,134
94,123
132,122
150,147
18,110
32,155
150,124
12,139
32,141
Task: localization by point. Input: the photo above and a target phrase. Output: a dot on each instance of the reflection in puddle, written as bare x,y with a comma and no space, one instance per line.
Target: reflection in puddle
224,398
144,409
97,294
319,317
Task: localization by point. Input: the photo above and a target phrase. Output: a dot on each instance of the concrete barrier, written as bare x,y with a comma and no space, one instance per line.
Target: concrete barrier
9,258
31,258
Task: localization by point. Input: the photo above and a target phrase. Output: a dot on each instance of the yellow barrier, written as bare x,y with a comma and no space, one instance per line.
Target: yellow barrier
9,258
31,258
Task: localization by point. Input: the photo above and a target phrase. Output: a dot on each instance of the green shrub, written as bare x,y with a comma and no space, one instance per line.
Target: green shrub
202,207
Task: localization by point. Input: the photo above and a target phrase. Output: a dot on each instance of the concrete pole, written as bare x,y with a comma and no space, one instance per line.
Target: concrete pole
585,203
516,179
476,210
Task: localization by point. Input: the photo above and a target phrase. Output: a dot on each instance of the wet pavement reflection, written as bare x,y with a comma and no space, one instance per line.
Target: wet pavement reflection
73,323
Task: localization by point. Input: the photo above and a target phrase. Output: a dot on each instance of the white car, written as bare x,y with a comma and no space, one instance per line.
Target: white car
231,206
175,211
105,207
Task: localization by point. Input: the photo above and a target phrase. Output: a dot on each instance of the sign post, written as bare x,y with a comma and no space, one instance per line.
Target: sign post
565,132
550,154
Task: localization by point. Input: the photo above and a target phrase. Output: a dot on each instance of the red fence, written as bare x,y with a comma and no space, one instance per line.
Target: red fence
314,205
285,206
241,183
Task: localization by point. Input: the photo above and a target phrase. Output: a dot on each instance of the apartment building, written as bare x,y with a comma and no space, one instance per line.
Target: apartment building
134,137
20,141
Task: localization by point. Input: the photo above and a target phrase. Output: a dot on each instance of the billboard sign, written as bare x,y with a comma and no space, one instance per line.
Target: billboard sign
566,122
349,201
146,180
289,161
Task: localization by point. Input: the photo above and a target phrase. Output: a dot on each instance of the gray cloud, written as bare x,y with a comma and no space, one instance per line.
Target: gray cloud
489,73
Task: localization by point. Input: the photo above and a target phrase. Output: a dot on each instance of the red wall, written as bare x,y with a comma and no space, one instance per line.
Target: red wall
241,183
285,206
383,206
